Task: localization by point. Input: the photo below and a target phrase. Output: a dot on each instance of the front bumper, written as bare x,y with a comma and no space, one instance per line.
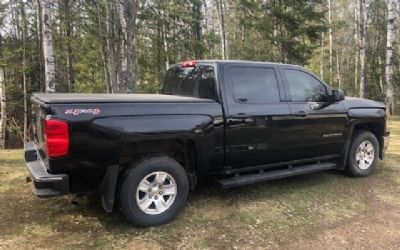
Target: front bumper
45,184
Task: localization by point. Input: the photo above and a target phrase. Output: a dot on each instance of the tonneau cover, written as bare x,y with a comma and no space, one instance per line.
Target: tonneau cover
113,98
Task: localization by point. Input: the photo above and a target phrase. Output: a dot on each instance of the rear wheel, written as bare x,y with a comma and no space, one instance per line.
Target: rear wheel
363,154
154,191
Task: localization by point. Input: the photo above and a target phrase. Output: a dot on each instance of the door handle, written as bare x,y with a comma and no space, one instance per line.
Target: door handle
300,114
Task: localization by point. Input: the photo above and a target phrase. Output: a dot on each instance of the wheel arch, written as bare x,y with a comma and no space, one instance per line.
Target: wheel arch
375,125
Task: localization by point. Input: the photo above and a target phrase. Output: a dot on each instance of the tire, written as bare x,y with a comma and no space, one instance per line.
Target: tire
162,193
361,160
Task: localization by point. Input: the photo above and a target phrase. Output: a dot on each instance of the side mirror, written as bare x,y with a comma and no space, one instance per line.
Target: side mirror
337,95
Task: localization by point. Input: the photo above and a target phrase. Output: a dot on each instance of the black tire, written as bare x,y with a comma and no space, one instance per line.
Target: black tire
136,174
353,165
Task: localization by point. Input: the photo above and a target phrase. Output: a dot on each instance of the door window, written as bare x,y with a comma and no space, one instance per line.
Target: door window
255,85
305,88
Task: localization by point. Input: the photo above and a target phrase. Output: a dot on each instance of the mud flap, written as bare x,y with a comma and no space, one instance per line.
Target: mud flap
108,188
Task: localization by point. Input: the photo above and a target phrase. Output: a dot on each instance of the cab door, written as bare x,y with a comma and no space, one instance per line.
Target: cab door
257,115
317,127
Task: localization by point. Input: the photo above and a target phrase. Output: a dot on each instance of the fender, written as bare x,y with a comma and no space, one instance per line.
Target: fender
123,133
126,131
358,116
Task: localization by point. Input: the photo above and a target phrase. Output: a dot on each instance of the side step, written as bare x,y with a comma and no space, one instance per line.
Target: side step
239,180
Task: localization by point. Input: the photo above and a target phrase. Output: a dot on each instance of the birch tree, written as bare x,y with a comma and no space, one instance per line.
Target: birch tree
24,80
363,33
130,8
357,42
221,7
391,36
330,42
47,44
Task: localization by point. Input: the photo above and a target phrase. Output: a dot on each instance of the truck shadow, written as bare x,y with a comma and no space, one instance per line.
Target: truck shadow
207,194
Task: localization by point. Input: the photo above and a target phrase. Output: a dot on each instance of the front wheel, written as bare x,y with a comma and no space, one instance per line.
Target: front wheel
363,154
154,191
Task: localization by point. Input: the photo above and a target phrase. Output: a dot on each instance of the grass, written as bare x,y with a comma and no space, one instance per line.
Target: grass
323,210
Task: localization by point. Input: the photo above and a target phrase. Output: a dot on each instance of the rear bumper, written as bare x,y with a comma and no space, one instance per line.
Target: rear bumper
45,184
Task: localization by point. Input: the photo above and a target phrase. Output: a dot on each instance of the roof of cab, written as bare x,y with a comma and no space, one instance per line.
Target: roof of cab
217,61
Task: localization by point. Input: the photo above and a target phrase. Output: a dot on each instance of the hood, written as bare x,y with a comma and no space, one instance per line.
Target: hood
353,102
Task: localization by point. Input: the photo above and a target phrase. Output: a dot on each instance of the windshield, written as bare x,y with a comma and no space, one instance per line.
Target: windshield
196,81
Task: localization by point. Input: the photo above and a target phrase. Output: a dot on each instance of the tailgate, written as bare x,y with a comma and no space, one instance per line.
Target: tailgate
38,115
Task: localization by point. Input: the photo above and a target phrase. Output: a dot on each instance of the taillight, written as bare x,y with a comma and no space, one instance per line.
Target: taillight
56,138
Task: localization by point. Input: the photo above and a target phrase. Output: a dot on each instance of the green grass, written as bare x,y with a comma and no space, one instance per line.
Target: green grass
323,210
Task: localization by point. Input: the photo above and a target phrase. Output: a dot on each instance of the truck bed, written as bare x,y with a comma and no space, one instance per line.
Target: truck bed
114,98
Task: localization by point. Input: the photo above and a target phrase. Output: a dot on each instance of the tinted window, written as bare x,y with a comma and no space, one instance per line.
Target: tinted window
207,88
255,85
173,79
193,81
304,87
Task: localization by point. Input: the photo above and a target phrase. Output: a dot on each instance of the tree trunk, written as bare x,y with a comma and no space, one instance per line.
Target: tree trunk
363,32
24,82
222,28
165,45
338,77
111,47
381,72
357,42
322,65
197,28
125,25
121,36
47,43
103,44
3,111
40,44
131,9
330,42
391,36
398,28
69,58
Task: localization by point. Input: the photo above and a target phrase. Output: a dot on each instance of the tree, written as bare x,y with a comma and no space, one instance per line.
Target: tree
3,109
24,80
357,42
121,18
391,36
47,45
127,45
66,30
363,33
221,6
330,42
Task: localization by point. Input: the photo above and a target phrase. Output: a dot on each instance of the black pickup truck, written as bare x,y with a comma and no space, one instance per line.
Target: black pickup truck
237,122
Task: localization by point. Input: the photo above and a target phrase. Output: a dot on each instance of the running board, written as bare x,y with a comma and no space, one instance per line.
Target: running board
239,180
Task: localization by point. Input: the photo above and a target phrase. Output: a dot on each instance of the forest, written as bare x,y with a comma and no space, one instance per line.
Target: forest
126,46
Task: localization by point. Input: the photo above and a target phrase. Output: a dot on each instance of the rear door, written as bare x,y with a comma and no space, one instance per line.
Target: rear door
317,125
257,115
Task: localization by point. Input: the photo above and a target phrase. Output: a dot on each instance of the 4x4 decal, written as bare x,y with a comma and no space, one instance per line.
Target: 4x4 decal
82,111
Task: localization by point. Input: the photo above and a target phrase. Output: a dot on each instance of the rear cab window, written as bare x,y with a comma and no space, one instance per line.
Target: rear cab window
193,80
